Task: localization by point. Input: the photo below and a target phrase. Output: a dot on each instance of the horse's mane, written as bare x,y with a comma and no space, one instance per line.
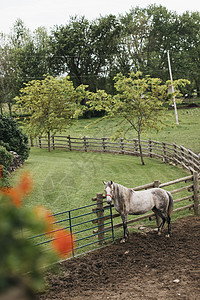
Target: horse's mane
122,188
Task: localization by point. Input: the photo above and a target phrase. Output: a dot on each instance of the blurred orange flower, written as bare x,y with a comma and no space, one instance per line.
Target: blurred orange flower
16,194
63,242
13,194
45,214
25,184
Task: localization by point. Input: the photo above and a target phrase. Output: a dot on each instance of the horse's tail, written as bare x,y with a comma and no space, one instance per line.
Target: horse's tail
171,204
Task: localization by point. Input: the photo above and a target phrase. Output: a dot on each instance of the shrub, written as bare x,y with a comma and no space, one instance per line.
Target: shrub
6,158
12,137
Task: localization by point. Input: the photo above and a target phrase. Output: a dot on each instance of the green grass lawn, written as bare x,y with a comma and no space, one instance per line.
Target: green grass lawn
65,180
187,133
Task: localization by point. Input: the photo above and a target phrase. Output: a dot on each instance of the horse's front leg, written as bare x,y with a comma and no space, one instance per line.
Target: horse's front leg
126,233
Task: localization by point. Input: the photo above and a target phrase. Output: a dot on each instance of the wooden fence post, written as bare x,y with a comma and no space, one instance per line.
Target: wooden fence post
164,153
40,142
69,143
136,146
103,144
85,143
53,142
100,216
175,153
182,152
150,148
156,183
196,193
122,145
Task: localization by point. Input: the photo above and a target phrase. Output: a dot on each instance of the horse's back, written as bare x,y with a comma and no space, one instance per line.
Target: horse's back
144,201
141,202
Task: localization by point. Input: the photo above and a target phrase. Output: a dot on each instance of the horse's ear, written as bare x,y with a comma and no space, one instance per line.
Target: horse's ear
111,182
104,182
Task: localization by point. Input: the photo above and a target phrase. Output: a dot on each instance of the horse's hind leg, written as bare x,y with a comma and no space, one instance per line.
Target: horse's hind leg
168,219
169,226
161,226
161,219
126,233
165,217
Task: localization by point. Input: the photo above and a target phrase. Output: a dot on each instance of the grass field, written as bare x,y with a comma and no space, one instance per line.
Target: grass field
65,180
187,133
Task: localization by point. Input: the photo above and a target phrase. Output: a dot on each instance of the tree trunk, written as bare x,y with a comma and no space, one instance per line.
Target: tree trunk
140,148
10,108
49,141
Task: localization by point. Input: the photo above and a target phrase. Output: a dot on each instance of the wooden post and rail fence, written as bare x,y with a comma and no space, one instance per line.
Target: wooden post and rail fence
168,153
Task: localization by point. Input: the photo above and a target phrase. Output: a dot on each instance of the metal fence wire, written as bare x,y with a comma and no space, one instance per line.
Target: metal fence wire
84,223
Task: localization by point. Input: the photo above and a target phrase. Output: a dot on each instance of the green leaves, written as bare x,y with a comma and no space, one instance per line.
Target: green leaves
51,103
139,101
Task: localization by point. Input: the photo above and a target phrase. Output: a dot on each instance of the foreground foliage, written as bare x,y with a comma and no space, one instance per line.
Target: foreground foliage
23,264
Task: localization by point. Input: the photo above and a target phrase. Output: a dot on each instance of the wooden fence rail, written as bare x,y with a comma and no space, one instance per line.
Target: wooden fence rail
169,153
188,187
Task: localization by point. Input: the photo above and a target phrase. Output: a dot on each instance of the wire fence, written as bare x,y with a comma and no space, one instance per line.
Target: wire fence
82,223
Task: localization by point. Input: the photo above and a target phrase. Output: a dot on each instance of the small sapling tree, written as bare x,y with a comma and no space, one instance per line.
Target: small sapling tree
138,102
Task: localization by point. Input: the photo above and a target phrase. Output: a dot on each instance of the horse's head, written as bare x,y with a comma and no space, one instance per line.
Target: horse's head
109,191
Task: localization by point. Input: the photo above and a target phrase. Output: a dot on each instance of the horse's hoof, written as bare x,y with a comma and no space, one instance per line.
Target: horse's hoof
159,233
167,235
123,241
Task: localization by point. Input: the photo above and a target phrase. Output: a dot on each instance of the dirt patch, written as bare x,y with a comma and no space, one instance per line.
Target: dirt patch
147,267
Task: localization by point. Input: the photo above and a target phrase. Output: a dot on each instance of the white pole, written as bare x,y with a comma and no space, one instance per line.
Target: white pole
174,100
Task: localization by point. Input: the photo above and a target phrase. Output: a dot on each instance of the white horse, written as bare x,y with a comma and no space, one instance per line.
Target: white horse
127,201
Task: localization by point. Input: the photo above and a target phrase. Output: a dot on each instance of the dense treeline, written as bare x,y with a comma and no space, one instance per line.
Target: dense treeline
93,52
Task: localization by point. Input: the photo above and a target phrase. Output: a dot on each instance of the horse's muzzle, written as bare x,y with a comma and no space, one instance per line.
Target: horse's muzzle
109,199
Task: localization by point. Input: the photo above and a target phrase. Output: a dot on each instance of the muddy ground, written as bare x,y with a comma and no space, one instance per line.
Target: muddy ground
147,267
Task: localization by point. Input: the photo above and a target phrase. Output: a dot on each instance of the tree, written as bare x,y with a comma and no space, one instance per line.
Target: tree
136,28
10,70
52,103
84,49
23,57
33,57
188,63
138,102
7,74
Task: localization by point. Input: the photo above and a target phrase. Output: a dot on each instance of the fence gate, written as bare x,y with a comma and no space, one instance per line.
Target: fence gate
84,223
